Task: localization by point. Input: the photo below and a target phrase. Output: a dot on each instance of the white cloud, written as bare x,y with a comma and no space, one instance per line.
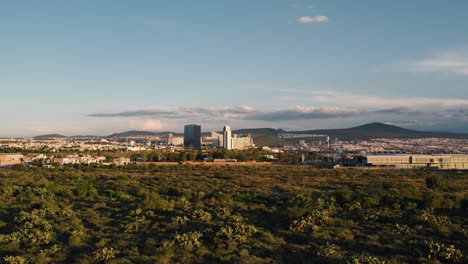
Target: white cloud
218,110
365,101
315,19
146,124
152,125
324,107
448,62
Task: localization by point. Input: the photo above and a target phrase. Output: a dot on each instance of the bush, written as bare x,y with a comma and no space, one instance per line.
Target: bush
329,250
188,240
442,252
104,254
311,222
366,259
429,218
435,182
201,216
15,260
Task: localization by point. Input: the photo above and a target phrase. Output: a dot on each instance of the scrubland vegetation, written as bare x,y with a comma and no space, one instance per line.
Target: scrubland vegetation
232,214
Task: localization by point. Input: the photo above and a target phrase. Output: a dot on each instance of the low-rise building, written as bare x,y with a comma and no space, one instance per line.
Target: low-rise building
410,161
7,159
79,159
121,161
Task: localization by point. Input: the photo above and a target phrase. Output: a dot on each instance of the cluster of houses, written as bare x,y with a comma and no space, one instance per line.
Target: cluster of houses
11,159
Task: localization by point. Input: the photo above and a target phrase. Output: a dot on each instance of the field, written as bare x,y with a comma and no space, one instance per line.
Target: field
232,214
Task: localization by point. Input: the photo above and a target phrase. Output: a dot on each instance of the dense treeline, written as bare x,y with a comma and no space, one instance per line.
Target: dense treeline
186,155
254,154
231,214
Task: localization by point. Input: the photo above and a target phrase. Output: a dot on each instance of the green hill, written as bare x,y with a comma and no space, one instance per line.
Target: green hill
133,133
49,136
263,136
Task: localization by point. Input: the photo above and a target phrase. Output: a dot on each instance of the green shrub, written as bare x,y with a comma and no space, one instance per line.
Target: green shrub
329,250
435,182
15,260
188,240
442,252
104,254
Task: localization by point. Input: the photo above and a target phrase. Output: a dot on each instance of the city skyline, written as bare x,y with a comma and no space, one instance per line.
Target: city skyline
99,67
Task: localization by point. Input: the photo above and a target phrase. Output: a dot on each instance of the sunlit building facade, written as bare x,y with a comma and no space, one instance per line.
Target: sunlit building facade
410,161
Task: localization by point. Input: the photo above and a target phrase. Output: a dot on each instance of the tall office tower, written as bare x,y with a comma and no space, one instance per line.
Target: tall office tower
192,136
227,137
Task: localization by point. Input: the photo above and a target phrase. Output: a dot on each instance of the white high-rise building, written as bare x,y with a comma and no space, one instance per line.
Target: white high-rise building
227,137
217,139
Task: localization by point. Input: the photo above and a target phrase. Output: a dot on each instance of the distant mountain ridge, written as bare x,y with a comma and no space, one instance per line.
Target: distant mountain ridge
49,136
270,136
133,133
378,130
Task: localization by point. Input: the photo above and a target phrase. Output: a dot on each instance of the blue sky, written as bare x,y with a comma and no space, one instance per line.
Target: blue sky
97,67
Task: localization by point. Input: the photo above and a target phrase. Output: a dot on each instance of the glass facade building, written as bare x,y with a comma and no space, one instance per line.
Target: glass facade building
192,136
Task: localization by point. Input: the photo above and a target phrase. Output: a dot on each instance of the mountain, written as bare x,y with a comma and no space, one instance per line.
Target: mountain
271,137
84,136
166,134
133,133
378,130
49,136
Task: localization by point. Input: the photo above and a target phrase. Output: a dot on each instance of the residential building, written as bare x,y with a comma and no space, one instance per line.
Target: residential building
174,141
242,143
177,141
217,139
121,161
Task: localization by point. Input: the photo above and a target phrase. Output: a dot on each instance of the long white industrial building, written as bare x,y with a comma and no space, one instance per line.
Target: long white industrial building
411,161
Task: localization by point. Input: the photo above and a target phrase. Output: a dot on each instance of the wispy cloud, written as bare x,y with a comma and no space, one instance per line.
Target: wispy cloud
137,113
208,113
323,106
314,19
302,113
182,112
446,63
224,111
335,98
400,111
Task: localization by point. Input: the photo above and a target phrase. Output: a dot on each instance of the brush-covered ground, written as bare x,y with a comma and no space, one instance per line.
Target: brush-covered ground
232,214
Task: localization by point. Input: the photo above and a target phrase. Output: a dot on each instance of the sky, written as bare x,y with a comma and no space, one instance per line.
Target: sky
89,67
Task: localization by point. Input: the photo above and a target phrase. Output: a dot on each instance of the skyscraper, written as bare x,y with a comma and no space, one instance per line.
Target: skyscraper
192,136
227,137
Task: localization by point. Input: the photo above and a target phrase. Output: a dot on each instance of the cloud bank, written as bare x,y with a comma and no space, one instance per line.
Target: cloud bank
325,107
